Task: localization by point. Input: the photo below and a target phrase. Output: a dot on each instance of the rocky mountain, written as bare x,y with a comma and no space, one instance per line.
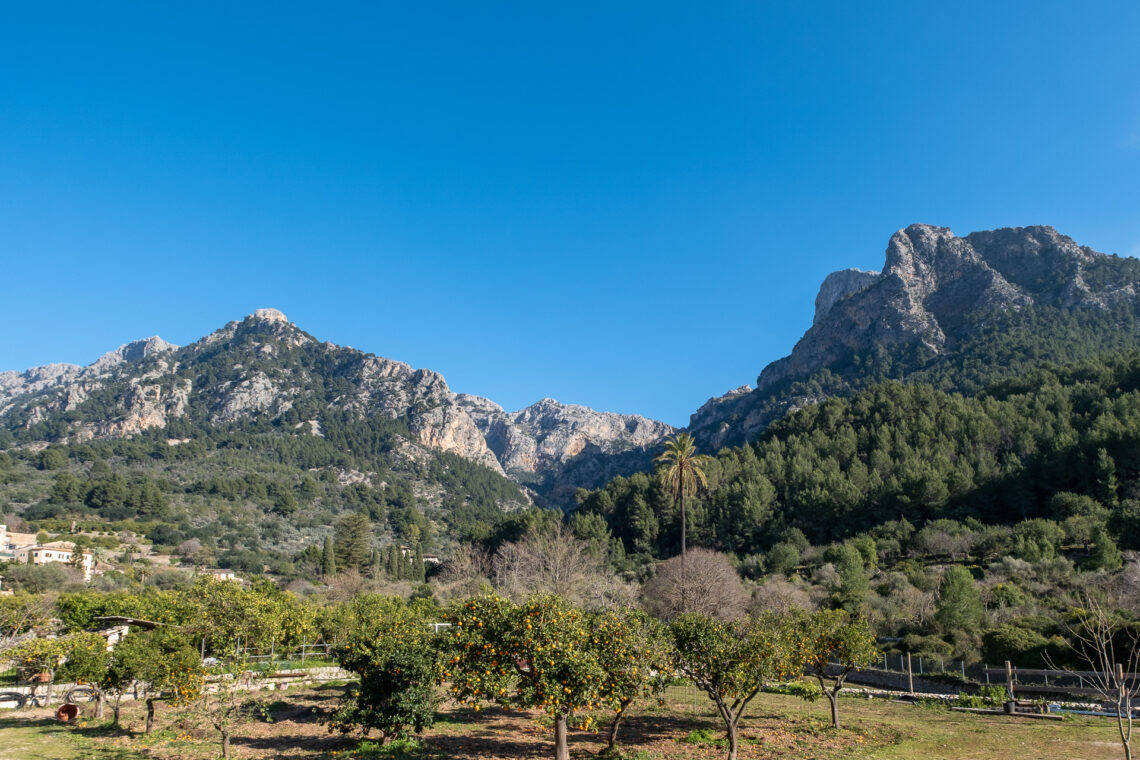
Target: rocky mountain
265,369
556,448
954,311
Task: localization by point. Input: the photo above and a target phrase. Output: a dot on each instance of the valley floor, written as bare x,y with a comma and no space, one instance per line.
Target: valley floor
684,728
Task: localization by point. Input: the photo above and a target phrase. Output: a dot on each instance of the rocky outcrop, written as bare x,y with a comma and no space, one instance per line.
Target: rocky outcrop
547,434
837,286
132,352
263,365
924,303
76,382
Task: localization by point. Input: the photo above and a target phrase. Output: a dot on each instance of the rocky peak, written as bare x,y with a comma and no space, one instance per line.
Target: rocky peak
269,315
837,286
933,288
548,434
247,369
131,352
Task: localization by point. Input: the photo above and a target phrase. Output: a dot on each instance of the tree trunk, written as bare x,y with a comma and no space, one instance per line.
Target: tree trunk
684,577
561,745
98,704
612,742
732,743
834,700
226,745
115,710
149,715
683,532
1125,736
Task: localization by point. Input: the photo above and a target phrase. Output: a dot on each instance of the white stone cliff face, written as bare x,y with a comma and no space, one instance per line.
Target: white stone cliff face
547,433
931,282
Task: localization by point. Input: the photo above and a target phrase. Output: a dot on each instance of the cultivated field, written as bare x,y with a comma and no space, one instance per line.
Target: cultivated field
777,726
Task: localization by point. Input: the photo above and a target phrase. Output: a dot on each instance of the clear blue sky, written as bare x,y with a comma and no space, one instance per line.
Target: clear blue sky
626,205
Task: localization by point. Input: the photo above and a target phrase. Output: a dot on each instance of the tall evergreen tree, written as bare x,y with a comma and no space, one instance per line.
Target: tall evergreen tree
959,608
395,563
353,541
420,572
328,558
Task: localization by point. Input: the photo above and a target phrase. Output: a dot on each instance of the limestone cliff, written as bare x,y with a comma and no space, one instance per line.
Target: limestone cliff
265,367
937,294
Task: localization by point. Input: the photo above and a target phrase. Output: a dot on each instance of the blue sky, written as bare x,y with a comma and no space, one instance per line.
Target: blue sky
625,205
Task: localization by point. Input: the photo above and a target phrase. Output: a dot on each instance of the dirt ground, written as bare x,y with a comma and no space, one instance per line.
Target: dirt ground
777,726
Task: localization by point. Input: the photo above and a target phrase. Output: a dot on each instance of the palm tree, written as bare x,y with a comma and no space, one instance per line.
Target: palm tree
683,471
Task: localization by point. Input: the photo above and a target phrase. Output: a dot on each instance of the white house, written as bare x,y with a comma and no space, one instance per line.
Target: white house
55,551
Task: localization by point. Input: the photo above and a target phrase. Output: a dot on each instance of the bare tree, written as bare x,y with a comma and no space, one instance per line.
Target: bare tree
465,573
780,596
704,582
1112,651
553,561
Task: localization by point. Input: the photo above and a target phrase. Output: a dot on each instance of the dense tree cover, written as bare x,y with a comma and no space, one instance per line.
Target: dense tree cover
989,346
909,452
240,486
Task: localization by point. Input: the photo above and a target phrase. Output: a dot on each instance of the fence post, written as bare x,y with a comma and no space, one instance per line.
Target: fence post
986,667
1009,678
941,665
304,644
910,673
963,662
920,671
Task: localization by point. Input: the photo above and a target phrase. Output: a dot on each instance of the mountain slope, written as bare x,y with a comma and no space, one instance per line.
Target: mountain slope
264,371
959,312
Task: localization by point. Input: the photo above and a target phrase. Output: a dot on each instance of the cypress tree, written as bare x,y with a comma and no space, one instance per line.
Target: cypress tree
959,608
394,562
328,558
420,572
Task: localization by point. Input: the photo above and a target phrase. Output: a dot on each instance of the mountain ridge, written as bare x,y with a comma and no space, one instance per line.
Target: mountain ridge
936,294
152,382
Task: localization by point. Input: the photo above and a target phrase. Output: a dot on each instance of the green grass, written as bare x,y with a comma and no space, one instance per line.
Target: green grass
775,726
48,739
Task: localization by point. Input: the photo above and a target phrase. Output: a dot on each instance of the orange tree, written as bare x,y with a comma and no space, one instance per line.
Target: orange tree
230,700
87,661
822,638
393,651
635,653
730,662
38,659
535,654
163,660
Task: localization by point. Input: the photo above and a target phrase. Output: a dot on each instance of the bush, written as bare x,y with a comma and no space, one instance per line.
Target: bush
805,690
1023,647
396,659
